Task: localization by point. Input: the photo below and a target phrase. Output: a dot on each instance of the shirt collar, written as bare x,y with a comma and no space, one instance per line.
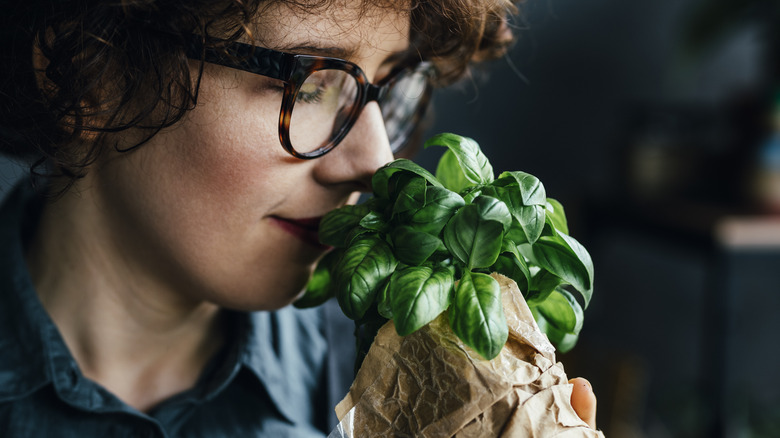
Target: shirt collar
286,351
22,341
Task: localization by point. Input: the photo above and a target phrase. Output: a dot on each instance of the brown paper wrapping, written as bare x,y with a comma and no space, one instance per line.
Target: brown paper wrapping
429,384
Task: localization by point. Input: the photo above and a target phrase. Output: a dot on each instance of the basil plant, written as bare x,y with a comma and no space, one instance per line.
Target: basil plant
426,244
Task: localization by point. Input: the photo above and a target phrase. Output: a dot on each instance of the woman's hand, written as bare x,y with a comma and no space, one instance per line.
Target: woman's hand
584,401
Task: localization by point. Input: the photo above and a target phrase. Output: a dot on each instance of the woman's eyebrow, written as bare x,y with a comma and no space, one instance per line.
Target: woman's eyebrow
312,49
347,53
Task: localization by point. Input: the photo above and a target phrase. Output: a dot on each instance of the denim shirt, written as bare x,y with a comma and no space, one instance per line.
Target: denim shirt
280,374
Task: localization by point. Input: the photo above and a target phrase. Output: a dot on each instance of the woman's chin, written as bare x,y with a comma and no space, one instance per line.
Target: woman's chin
270,297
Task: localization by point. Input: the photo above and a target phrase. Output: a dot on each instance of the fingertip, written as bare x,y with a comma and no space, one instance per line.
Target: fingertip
581,383
583,400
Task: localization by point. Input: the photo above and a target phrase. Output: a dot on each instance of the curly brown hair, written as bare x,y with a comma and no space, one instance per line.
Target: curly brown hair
136,49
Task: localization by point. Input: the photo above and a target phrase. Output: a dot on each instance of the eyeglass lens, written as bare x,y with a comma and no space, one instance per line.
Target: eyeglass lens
320,108
326,103
400,105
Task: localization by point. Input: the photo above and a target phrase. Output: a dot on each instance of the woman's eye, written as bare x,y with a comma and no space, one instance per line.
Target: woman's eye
310,93
263,85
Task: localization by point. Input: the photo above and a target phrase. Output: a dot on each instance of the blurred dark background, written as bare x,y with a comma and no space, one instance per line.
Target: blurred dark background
652,122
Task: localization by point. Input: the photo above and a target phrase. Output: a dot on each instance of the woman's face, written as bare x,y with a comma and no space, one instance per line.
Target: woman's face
213,208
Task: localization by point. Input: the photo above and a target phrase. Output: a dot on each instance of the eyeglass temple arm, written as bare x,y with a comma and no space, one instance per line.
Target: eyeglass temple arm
240,56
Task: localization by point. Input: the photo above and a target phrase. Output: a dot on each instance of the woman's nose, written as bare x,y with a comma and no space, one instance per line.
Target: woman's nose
355,160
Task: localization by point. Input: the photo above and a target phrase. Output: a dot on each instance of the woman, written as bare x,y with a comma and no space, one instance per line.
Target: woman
167,210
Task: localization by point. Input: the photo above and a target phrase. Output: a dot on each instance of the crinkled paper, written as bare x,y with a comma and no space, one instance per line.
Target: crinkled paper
429,384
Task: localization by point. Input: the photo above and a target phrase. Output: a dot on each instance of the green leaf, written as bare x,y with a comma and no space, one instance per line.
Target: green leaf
337,224
473,240
384,306
563,256
381,179
355,234
493,209
477,315
516,234
395,186
541,286
373,221
563,311
531,220
555,216
529,217
514,267
509,195
413,247
440,205
360,274
320,287
473,164
471,193
448,171
418,295
561,340
531,189
411,197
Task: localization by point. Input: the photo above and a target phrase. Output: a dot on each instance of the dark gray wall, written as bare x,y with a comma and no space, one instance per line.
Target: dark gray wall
579,65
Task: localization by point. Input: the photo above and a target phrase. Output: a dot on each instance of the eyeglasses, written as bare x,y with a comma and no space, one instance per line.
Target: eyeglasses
323,97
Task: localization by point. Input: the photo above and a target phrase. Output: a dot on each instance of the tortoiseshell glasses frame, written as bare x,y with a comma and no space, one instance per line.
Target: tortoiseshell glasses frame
401,118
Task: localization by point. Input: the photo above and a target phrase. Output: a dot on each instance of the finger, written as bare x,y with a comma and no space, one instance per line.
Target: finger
583,400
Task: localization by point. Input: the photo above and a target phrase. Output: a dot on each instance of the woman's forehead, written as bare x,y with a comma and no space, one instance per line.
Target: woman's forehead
355,27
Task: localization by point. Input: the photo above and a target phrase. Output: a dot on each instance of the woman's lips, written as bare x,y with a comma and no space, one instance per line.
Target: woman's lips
306,229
